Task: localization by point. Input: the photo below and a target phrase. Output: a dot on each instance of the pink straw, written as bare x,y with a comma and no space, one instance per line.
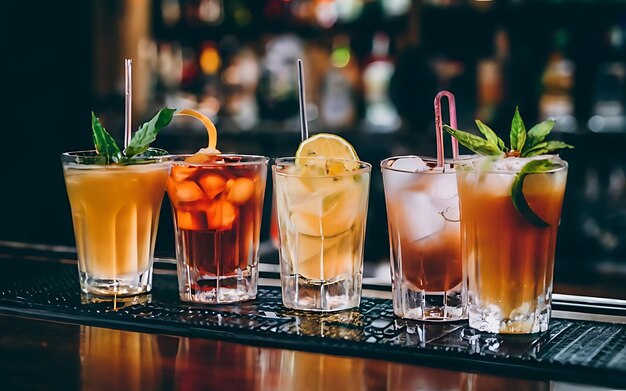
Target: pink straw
439,126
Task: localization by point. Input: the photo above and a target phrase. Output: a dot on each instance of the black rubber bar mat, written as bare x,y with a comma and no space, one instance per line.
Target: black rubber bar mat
572,350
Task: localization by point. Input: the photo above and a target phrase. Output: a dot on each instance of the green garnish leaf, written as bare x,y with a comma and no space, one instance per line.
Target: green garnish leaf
517,194
103,141
539,149
490,135
546,147
518,132
553,146
147,132
537,134
474,143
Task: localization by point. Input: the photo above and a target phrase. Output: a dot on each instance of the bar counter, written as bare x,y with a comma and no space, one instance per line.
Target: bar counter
49,341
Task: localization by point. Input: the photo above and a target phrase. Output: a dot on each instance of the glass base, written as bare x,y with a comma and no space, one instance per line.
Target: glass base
448,306
123,286
522,320
303,294
211,289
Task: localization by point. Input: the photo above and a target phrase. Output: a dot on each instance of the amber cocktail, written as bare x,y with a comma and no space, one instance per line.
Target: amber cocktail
217,202
510,260
115,211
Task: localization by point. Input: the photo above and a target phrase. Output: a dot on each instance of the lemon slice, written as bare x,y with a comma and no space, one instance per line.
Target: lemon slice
210,128
327,146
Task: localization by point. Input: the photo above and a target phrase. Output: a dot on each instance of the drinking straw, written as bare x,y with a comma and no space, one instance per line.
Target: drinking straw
128,103
439,126
304,128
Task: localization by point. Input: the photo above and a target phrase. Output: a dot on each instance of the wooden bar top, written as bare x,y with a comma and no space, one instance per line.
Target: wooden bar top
39,354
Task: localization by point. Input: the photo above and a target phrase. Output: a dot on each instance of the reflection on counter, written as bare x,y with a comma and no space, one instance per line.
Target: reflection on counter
115,359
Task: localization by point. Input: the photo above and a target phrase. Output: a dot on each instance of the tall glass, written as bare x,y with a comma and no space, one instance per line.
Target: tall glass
217,205
425,239
510,262
321,223
115,211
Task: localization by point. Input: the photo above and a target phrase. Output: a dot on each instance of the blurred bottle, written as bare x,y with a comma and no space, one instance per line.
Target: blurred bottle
558,82
277,94
608,106
204,12
491,80
170,12
380,113
239,82
337,101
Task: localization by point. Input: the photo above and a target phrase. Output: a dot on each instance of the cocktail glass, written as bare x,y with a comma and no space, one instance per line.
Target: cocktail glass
321,224
509,260
217,206
425,239
115,212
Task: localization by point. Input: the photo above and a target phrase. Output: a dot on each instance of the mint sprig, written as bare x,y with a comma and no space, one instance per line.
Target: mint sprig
107,148
522,144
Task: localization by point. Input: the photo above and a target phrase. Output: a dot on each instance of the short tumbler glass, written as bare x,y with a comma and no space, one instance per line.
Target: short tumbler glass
217,205
321,224
115,212
509,258
425,242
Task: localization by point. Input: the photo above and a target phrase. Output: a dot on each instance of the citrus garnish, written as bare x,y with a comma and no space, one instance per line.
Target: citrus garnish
328,146
201,155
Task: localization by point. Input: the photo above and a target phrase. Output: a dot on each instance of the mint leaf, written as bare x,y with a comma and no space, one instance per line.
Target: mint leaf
474,143
490,135
147,132
553,146
518,132
539,149
537,134
546,147
517,194
102,140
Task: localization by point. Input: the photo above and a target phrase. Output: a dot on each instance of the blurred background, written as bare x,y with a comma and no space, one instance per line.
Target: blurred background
372,69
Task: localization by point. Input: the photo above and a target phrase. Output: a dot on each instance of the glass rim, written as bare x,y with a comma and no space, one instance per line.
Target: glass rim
365,167
253,160
89,156
449,161
468,165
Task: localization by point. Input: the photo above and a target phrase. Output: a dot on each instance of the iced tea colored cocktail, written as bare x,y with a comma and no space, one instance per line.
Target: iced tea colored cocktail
425,238
510,203
217,200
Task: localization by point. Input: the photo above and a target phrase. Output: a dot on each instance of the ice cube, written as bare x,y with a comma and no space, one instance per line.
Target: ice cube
417,216
403,176
444,187
180,173
411,164
241,191
221,214
212,184
190,220
188,191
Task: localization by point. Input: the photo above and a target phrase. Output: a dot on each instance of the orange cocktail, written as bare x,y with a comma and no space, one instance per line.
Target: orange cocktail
509,260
